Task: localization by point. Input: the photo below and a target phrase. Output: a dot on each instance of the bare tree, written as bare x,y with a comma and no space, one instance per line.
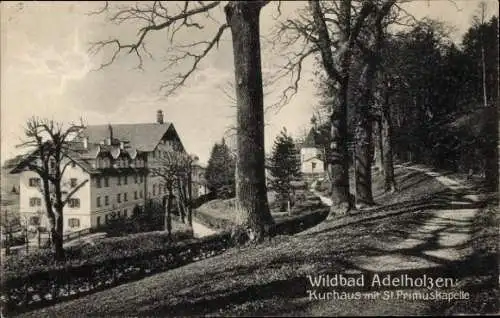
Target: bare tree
174,167
242,18
480,21
330,29
51,157
370,48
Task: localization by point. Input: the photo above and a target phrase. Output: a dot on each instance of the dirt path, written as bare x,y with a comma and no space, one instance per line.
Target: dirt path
436,247
200,230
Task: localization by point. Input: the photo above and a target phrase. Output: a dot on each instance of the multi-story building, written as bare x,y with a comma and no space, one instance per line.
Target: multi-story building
109,164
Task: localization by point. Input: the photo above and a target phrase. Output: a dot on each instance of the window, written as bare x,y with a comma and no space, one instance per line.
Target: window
119,213
106,218
98,182
73,164
73,222
35,202
106,182
98,221
119,180
125,213
313,165
125,180
119,197
34,220
73,182
74,203
125,197
106,200
154,189
135,195
140,194
52,164
159,189
140,179
135,178
98,202
34,182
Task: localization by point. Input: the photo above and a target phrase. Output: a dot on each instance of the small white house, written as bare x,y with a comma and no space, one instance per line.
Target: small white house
311,156
311,162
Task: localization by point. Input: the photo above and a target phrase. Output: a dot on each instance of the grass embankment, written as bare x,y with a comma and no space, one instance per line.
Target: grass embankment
99,250
271,278
219,214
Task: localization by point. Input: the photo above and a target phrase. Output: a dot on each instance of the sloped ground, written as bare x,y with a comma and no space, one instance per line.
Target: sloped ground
401,236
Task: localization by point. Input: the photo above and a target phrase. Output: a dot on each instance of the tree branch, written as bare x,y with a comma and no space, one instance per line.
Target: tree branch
150,15
75,189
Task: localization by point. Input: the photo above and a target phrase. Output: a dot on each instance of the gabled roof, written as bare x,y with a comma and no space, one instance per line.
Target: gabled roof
143,137
310,141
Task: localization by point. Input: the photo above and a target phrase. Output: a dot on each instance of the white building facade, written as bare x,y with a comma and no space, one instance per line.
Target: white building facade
109,164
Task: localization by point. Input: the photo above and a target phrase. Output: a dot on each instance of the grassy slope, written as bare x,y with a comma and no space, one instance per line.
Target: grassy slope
270,279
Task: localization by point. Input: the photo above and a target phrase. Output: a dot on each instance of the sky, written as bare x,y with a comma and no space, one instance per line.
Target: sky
47,71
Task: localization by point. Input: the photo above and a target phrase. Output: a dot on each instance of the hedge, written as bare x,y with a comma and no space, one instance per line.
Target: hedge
57,282
20,266
36,280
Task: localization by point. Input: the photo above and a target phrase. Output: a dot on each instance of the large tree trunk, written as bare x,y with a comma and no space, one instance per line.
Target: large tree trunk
490,150
387,155
180,202
57,229
57,235
338,158
190,199
168,211
251,192
363,154
377,140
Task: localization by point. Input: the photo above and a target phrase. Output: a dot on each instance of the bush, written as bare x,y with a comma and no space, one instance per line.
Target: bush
102,250
64,281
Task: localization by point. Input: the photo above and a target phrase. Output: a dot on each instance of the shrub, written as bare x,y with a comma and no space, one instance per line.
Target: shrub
102,250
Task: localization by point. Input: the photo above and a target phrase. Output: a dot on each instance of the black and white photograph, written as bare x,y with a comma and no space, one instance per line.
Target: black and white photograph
249,158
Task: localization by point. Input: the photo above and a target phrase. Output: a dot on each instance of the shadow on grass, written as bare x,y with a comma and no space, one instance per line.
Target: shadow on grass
212,302
476,273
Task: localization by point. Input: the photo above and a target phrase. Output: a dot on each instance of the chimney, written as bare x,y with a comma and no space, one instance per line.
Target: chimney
159,116
110,138
85,142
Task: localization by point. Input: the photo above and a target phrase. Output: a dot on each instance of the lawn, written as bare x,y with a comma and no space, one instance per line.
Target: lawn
219,214
270,279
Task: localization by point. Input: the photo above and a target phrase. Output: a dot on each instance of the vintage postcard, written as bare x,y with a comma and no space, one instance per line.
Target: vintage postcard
249,158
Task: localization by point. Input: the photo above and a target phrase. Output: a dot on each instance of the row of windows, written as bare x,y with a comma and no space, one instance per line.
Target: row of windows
165,190
119,197
72,203
120,180
119,163
36,182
